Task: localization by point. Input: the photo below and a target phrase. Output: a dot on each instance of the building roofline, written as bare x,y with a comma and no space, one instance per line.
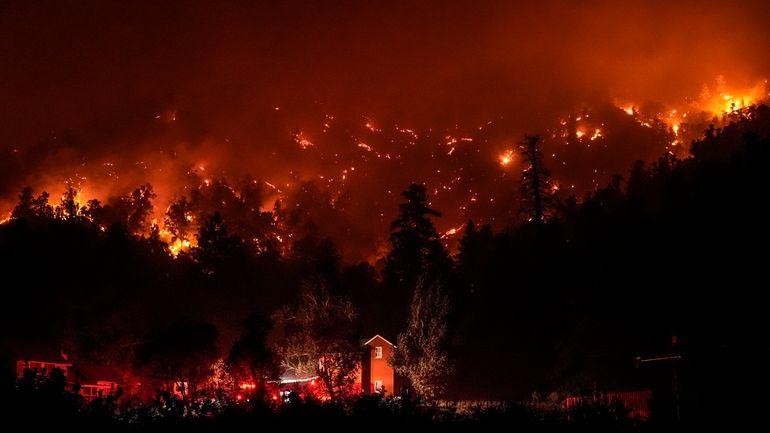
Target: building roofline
383,338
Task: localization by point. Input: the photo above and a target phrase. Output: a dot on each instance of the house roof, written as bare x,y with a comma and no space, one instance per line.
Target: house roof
39,352
95,373
381,337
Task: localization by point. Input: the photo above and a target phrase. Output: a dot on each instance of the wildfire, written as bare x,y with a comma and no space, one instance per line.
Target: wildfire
726,101
505,158
371,127
384,148
721,102
303,142
179,246
708,108
452,231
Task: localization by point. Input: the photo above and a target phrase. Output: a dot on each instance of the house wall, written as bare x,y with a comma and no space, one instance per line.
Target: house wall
379,368
41,367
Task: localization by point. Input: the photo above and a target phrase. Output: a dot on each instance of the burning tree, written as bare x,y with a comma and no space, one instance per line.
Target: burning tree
318,338
421,353
68,206
538,201
179,220
135,207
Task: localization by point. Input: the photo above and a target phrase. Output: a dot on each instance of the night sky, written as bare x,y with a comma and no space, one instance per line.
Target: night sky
359,97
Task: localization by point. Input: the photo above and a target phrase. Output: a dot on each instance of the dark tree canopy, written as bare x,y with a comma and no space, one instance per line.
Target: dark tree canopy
538,202
416,251
251,358
217,248
416,246
182,353
25,208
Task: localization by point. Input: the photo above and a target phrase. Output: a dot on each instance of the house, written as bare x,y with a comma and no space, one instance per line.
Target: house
376,373
43,362
90,381
98,381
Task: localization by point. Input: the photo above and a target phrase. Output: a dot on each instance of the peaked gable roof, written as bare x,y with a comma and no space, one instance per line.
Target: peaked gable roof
381,337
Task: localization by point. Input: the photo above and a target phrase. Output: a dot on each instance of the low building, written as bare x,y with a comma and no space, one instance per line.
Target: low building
90,381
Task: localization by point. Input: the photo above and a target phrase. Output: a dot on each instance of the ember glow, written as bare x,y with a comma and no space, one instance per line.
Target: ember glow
506,158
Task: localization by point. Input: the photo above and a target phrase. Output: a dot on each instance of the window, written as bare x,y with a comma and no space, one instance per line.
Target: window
378,352
378,386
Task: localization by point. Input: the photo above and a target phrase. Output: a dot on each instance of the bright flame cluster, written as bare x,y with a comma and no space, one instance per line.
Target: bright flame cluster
506,157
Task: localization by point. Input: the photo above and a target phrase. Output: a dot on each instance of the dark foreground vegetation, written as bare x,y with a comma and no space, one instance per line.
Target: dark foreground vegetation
42,405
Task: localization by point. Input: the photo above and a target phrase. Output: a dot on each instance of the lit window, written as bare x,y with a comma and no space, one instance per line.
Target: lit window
378,352
378,386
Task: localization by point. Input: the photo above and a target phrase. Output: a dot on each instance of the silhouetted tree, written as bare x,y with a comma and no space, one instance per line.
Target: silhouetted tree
100,216
538,201
416,246
314,256
180,355
179,219
25,207
138,206
319,337
475,252
216,247
155,242
41,207
250,356
421,353
68,206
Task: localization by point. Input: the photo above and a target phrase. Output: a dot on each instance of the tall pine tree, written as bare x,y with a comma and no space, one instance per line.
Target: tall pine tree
416,252
538,201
